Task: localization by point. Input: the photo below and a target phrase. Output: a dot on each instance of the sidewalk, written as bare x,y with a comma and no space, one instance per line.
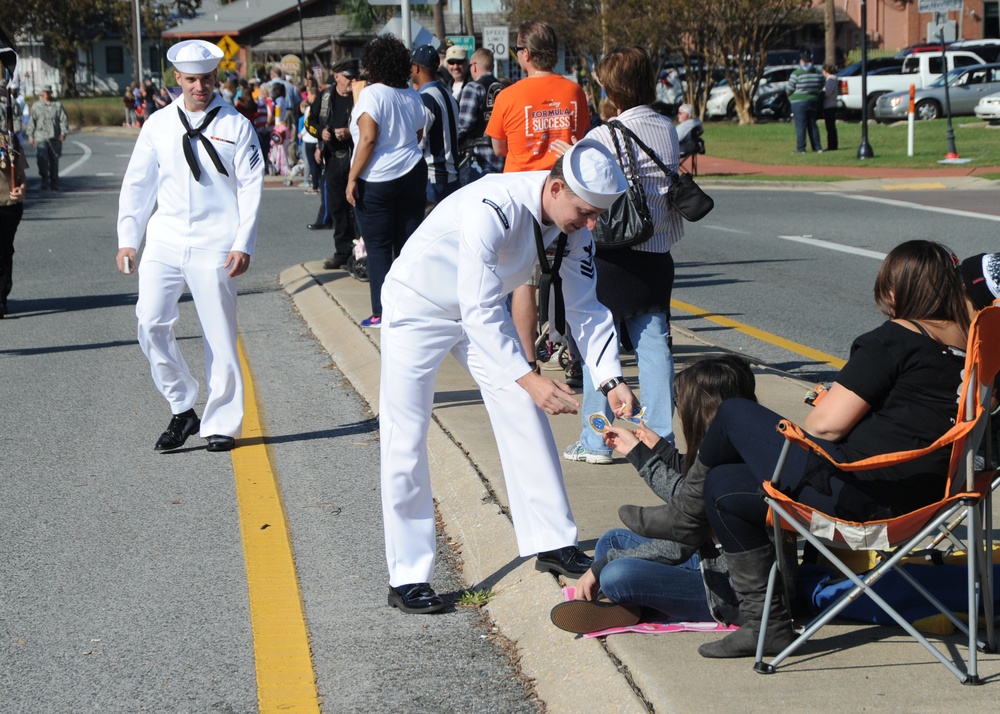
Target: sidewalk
848,668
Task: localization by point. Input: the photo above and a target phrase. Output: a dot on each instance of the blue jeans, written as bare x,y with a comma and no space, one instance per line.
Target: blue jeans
805,113
677,592
656,381
387,213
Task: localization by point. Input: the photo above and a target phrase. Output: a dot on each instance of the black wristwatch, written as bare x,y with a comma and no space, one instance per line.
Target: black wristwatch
611,384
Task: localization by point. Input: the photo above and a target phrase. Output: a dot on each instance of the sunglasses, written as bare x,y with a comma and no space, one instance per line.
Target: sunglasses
454,62
518,48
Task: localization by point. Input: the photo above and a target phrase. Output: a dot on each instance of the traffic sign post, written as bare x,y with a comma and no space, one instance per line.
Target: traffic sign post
466,42
497,39
229,47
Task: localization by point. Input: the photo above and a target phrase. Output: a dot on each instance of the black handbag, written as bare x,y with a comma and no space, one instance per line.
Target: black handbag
628,222
686,197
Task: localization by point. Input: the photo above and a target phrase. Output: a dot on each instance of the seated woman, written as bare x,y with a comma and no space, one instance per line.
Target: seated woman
633,575
898,391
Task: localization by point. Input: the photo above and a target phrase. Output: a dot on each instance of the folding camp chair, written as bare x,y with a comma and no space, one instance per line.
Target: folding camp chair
967,492
689,150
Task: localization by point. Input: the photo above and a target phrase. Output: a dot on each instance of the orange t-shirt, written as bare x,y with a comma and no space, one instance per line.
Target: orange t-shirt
532,113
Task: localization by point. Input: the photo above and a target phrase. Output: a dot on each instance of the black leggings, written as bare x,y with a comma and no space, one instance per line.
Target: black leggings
742,448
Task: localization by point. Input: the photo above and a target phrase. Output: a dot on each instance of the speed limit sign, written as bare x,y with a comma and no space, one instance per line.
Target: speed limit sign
497,39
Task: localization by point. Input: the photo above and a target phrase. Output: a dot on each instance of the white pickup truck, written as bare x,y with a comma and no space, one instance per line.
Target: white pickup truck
919,69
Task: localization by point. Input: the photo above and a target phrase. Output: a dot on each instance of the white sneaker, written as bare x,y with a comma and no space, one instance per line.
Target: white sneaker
579,452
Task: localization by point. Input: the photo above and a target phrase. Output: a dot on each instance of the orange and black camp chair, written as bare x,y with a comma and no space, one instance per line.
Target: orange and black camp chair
968,494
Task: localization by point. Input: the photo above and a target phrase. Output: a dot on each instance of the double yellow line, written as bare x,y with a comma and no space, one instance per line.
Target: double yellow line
768,337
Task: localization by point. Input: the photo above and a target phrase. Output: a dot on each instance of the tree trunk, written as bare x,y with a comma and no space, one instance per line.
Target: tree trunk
470,26
830,23
439,20
67,73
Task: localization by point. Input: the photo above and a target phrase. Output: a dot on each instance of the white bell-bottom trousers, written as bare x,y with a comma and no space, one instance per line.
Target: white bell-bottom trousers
413,347
164,272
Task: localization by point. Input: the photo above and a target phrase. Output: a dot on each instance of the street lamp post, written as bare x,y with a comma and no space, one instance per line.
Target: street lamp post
865,149
952,151
302,39
138,43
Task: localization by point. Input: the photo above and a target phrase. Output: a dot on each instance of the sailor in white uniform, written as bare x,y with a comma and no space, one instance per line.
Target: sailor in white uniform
199,163
446,293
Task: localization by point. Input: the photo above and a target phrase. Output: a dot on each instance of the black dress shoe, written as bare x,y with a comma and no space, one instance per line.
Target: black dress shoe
319,226
416,598
217,442
181,427
334,263
570,561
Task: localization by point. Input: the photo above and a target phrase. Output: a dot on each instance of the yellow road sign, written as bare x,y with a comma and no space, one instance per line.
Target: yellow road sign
228,46
227,65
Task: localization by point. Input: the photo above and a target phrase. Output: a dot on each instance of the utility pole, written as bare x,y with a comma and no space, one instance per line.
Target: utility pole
137,45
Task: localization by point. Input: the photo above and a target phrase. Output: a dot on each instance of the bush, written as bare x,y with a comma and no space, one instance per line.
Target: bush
95,111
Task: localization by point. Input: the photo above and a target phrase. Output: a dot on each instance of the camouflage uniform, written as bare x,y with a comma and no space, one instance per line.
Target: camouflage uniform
47,129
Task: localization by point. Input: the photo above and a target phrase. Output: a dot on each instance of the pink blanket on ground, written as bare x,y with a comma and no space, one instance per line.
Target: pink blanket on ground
654,628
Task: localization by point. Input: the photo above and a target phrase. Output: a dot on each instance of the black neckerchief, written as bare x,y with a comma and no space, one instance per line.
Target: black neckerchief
197,134
550,280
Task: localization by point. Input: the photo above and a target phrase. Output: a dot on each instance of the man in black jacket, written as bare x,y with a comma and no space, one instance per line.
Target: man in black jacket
329,118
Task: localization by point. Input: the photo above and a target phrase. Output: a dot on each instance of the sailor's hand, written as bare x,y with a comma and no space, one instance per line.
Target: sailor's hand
238,262
124,253
551,396
623,402
17,193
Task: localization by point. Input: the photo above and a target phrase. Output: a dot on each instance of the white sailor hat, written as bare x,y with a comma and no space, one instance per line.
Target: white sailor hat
593,174
194,56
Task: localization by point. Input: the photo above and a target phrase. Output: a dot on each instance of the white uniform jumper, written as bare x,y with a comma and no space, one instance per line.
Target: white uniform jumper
446,293
195,226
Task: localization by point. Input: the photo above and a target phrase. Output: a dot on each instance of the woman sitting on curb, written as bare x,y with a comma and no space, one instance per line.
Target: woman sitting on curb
668,580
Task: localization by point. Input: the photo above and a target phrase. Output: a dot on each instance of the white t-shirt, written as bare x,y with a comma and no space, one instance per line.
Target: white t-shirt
399,114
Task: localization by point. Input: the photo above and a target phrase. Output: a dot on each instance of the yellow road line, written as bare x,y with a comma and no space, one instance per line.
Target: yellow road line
913,187
771,338
285,679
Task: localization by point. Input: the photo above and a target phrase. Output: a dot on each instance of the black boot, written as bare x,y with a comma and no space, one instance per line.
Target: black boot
682,520
749,572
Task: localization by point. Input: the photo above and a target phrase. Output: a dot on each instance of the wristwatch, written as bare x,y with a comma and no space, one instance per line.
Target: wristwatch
611,384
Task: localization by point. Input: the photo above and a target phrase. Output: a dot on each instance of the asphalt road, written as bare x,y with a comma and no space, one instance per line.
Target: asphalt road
802,264
122,579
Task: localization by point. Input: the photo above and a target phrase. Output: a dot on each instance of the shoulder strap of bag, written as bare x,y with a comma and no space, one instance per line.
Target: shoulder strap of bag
632,168
649,152
550,282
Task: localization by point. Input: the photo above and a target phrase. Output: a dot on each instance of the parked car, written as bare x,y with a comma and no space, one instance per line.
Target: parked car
772,105
721,100
989,107
966,86
875,65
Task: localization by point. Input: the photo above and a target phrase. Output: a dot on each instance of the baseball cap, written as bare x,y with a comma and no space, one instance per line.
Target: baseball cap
593,174
426,56
981,274
347,67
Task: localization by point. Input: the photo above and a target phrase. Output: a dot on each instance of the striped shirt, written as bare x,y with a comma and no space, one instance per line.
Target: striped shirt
805,83
658,134
440,140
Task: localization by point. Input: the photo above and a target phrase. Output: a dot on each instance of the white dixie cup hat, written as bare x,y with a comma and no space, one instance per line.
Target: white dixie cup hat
194,57
593,174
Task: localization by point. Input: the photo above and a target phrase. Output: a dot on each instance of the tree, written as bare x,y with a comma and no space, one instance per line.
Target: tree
744,31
